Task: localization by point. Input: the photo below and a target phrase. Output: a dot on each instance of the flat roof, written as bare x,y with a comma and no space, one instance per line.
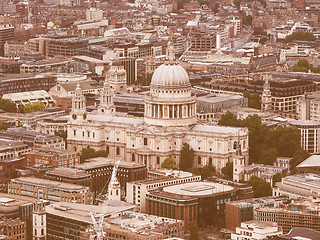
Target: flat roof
48,183
198,188
81,212
104,161
11,201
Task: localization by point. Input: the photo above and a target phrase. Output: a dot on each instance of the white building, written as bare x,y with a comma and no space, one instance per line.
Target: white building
169,121
299,186
137,190
25,98
310,135
256,230
308,106
94,14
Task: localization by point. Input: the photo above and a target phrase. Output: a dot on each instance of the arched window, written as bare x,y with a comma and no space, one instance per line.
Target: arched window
118,151
42,232
210,161
145,141
199,160
235,145
133,157
158,160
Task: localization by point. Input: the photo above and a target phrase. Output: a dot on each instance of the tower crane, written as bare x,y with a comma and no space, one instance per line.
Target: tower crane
97,232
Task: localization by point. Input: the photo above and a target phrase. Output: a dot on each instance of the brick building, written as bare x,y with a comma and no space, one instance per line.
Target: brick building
194,202
25,82
70,175
101,168
52,156
52,191
245,210
6,34
13,228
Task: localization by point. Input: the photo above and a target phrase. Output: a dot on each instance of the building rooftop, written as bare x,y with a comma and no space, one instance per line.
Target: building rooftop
103,162
21,96
312,161
302,234
198,189
48,183
262,200
12,202
84,85
69,173
259,224
81,212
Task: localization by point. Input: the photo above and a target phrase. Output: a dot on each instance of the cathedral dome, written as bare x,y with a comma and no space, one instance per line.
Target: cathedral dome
170,75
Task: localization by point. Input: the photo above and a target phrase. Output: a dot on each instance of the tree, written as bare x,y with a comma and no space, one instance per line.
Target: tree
87,153
205,172
268,156
8,106
254,100
229,119
260,187
302,66
168,163
301,36
263,40
186,157
194,232
34,107
278,177
3,127
298,157
56,22
145,80
227,171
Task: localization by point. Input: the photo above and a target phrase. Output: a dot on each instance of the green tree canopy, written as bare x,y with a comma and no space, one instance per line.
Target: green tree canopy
260,187
87,153
56,22
186,157
254,100
34,107
8,106
227,171
205,172
168,163
302,36
266,144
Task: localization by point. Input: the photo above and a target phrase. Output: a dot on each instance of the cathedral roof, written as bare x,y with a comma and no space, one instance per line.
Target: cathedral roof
170,75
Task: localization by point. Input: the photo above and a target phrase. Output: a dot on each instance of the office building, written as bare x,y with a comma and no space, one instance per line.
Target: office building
33,138
137,190
202,203
51,156
72,221
12,83
245,210
6,34
52,191
256,230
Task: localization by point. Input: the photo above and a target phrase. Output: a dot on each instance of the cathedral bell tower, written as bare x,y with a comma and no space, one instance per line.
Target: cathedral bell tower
239,163
266,101
106,106
117,77
39,222
78,112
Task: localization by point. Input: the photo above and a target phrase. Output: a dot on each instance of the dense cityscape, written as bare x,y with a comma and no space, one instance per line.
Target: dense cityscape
160,119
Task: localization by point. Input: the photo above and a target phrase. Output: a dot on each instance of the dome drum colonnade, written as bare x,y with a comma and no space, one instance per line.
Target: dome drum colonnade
170,102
